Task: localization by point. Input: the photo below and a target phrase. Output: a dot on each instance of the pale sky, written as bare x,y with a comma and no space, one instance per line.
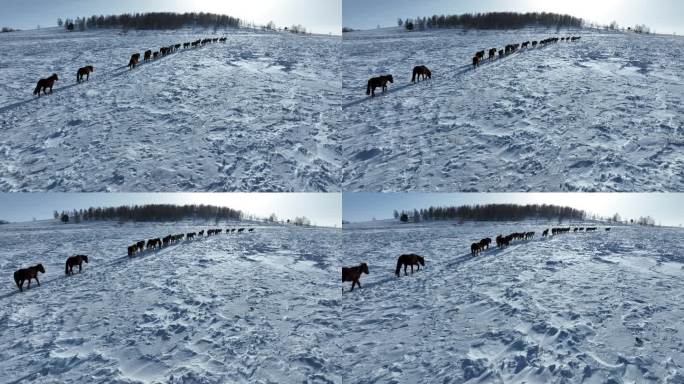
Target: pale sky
318,16
322,209
665,208
663,16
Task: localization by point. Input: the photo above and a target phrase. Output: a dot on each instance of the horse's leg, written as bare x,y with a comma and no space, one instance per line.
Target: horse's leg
29,283
80,267
412,269
37,281
353,283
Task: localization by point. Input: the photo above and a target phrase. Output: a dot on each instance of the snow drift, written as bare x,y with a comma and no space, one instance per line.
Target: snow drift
254,307
256,113
600,114
598,307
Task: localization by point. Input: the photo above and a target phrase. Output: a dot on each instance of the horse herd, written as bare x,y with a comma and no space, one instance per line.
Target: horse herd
27,274
511,48
423,71
353,274
163,51
47,83
159,243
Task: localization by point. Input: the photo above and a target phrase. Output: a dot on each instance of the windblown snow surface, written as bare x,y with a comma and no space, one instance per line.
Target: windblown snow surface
603,307
605,113
257,113
259,307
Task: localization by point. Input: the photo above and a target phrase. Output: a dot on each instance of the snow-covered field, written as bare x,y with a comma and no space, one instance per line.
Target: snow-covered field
257,113
601,307
259,307
604,113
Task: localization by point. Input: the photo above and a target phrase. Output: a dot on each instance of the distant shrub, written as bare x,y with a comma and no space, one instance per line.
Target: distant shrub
347,29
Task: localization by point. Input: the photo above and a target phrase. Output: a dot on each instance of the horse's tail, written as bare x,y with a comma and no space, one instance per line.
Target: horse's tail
368,88
16,279
396,272
66,267
37,90
413,78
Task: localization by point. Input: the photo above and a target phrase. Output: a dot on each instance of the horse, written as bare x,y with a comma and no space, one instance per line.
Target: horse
378,82
410,259
501,53
176,46
45,83
525,44
480,54
421,70
545,232
27,274
141,245
534,43
134,60
85,71
190,236
73,261
148,55
484,243
186,45
132,249
492,53
475,248
502,242
251,230
607,229
353,274
241,230
476,62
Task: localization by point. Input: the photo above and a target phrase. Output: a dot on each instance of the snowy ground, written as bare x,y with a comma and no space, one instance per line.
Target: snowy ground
605,113
257,113
258,307
566,309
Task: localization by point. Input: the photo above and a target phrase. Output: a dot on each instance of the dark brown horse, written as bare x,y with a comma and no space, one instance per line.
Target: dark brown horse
43,84
27,274
73,261
484,243
476,61
475,248
85,71
378,82
410,259
421,70
148,55
353,274
135,58
132,249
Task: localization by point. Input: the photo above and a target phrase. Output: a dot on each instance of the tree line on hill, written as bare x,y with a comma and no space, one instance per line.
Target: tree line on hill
491,212
168,212
168,20
150,212
492,20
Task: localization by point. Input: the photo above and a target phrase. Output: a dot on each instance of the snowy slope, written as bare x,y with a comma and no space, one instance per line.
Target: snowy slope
604,113
259,307
567,309
256,113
